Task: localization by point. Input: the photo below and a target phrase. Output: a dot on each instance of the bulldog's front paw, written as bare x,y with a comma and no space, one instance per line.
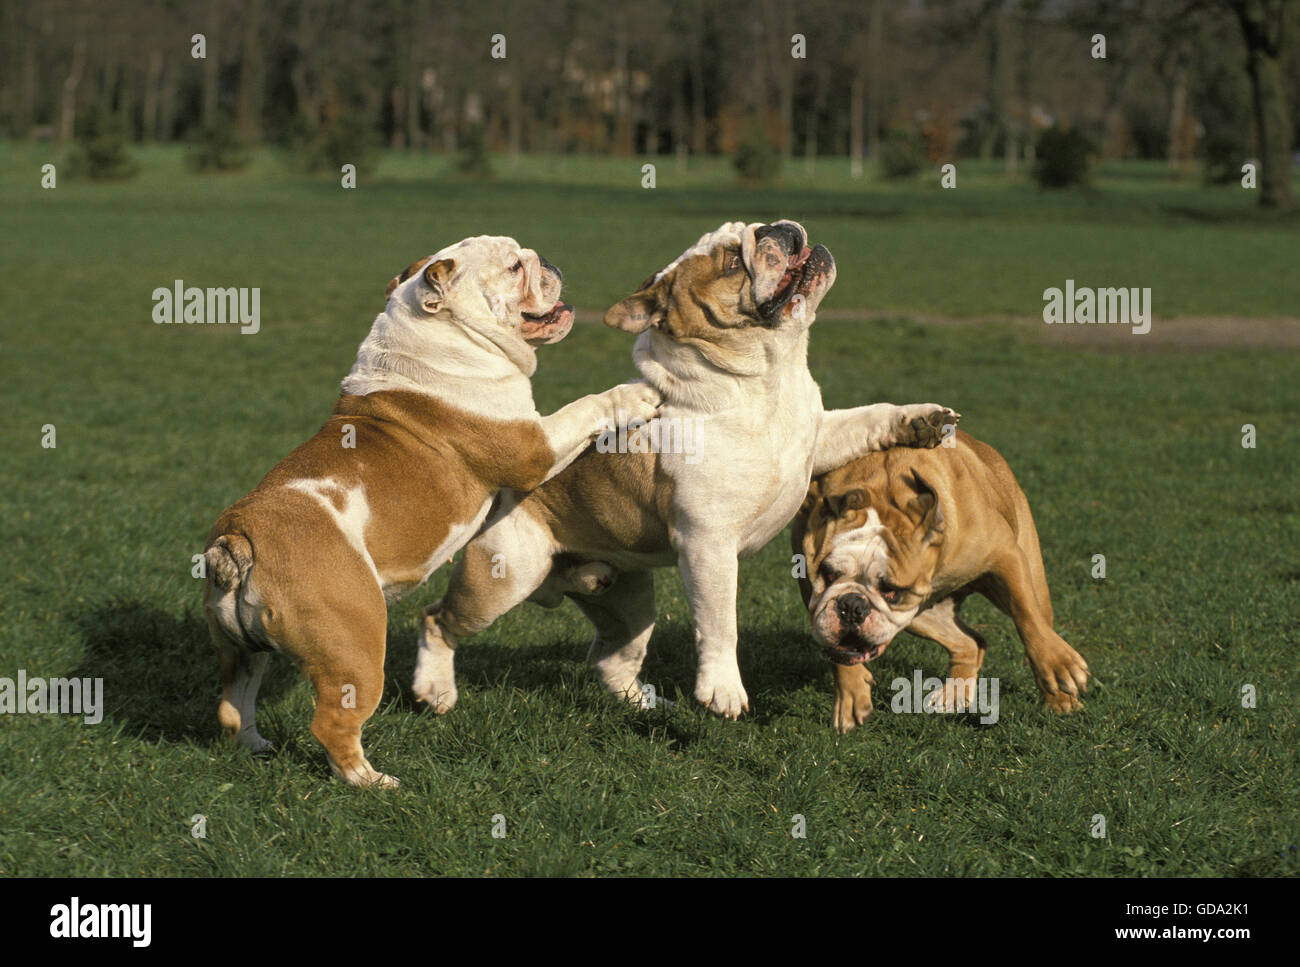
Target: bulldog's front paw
1062,675
922,425
722,693
958,694
634,401
852,697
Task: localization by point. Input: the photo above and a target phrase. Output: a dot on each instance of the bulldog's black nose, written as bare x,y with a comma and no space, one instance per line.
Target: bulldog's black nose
550,268
786,233
852,609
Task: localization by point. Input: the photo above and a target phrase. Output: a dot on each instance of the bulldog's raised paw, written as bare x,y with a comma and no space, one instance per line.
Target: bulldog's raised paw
922,424
637,400
722,695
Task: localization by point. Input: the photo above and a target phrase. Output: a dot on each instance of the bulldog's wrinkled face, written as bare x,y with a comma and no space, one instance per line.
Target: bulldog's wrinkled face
871,557
736,277
491,284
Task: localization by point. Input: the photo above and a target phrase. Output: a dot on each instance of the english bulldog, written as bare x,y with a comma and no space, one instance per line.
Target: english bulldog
434,420
723,336
898,540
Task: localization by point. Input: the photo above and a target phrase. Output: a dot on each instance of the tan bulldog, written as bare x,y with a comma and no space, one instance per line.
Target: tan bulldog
723,335
898,540
435,419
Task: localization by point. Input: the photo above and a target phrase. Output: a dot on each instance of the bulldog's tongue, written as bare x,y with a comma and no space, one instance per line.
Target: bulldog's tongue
548,327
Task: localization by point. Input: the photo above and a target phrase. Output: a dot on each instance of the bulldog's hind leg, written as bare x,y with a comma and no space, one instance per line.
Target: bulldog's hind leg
500,568
965,649
241,676
624,617
1060,671
340,647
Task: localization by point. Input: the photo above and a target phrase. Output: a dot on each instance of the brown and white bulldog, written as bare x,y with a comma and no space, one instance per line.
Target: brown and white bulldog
898,540
435,419
724,338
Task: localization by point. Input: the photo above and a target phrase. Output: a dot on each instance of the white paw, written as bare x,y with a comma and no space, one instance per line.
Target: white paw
722,693
635,401
440,698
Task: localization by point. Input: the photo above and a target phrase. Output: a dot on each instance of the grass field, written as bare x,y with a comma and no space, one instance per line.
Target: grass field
1135,455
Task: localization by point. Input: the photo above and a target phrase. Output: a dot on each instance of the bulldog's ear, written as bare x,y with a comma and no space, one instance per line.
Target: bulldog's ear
406,273
841,504
932,522
436,276
639,311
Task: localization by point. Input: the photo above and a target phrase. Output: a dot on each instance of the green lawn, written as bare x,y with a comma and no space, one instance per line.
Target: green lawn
1135,456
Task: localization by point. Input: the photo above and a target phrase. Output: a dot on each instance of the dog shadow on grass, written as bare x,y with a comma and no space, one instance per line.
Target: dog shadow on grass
159,670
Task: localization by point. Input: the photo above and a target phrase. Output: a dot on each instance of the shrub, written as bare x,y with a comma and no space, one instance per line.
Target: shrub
100,152
1224,156
475,159
344,139
1061,158
218,147
902,153
756,159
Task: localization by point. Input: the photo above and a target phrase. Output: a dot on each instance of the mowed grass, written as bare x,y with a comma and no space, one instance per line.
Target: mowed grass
1134,456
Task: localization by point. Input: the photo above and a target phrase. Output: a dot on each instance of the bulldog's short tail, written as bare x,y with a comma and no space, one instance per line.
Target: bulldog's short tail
230,599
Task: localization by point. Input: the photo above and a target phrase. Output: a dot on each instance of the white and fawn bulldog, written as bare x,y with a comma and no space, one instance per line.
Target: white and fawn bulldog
898,540
435,419
724,338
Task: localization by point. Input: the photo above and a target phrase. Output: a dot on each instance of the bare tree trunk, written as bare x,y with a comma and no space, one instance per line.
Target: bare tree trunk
211,64
1261,25
252,73
515,120
786,81
855,122
27,81
622,102
152,80
1177,116
810,119
699,123
1006,85
68,105
876,101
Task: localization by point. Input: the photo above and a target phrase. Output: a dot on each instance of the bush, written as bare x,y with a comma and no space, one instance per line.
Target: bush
1062,158
1224,156
218,147
902,153
345,139
756,159
475,159
101,152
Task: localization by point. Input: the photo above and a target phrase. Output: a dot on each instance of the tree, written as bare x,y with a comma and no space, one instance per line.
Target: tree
1262,27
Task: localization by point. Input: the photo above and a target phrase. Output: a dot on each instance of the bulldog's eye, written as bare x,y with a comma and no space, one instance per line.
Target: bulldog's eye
890,593
827,573
517,266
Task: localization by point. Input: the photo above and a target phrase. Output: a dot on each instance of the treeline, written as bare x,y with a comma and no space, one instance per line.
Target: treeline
1179,79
